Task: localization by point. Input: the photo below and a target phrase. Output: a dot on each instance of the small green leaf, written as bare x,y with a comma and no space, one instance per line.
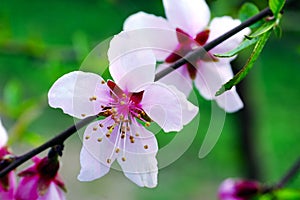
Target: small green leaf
276,6
245,44
287,194
245,70
248,10
263,29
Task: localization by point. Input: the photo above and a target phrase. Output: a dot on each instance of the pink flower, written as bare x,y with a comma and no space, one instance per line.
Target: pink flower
41,181
126,105
8,182
235,189
187,25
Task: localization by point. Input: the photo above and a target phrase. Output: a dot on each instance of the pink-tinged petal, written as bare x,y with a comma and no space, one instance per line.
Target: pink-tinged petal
96,151
73,92
131,64
163,106
27,188
153,32
230,101
140,164
180,78
3,135
191,16
210,78
219,26
8,193
189,110
53,193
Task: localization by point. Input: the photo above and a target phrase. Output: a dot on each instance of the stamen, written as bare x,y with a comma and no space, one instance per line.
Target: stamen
123,159
87,137
83,115
95,128
99,139
93,98
146,147
102,82
108,161
117,150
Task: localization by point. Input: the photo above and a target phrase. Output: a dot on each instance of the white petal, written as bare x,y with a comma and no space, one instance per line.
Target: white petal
230,101
72,93
180,78
221,25
140,165
163,106
131,64
210,78
3,135
95,153
192,16
189,110
154,32
54,192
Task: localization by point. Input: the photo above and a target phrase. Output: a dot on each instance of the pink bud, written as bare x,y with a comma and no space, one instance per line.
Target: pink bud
237,189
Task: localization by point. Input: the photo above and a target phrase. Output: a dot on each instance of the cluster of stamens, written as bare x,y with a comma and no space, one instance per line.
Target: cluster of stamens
122,109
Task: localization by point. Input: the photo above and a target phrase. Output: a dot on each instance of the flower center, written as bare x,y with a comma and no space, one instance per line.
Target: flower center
186,44
123,109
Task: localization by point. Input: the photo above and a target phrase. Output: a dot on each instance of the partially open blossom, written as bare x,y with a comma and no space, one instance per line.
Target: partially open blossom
237,189
187,22
41,181
126,105
8,182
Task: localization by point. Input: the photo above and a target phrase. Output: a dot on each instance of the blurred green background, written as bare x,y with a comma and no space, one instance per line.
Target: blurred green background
42,40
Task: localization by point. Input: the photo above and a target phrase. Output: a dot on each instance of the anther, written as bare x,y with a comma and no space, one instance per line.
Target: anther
147,124
108,161
146,147
95,129
123,159
102,82
99,139
101,125
122,136
83,115
137,135
108,135
87,137
93,98
117,150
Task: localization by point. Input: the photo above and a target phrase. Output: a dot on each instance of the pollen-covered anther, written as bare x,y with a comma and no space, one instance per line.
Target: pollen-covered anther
99,139
95,129
123,159
93,98
122,136
147,124
108,160
102,82
146,147
101,125
83,115
131,138
137,134
107,135
122,103
124,95
87,137
117,150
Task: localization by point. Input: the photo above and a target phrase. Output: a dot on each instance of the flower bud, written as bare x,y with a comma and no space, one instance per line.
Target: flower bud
237,189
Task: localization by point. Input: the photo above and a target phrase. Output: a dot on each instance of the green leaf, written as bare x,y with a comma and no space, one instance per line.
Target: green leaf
248,10
245,70
263,29
276,6
245,44
287,194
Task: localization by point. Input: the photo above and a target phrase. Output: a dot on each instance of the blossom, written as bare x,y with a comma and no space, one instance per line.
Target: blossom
187,25
125,106
8,182
237,189
41,181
